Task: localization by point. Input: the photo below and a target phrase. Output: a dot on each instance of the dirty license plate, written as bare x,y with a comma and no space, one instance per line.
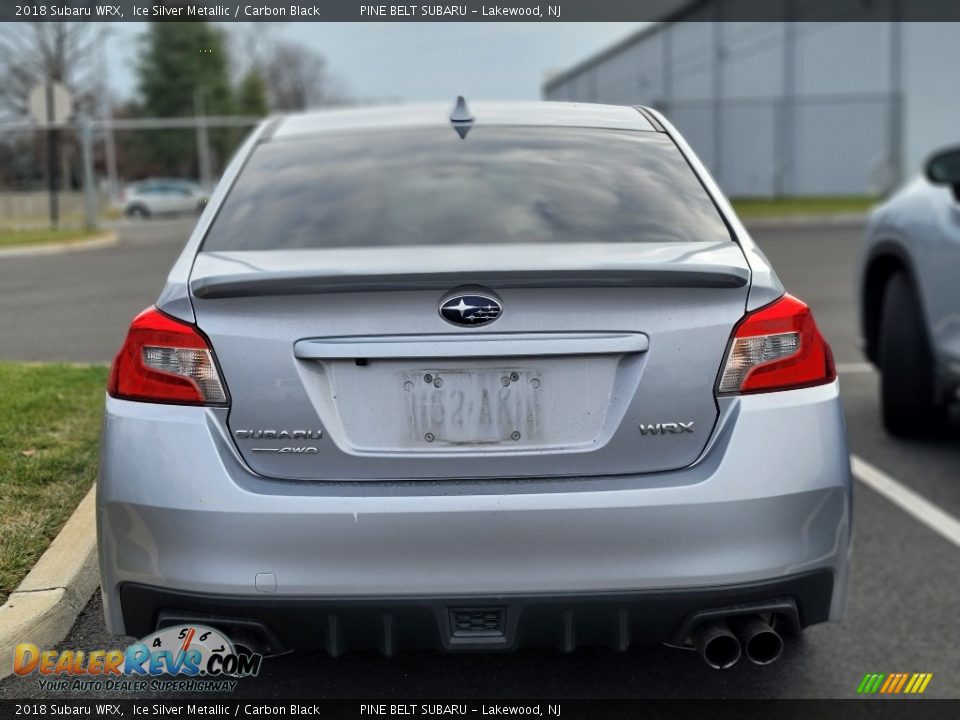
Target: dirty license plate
466,406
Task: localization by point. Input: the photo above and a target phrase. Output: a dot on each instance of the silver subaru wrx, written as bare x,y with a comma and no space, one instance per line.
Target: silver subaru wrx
513,376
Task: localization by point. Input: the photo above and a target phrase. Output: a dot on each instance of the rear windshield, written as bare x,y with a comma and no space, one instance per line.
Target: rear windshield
498,185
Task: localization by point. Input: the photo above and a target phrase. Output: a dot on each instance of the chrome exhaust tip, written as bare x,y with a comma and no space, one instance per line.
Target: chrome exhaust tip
717,645
761,643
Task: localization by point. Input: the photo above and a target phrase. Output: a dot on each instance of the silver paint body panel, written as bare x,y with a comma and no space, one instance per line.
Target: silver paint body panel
920,226
770,497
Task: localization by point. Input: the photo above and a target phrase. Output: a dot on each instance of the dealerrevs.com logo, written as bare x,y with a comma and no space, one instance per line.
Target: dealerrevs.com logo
203,655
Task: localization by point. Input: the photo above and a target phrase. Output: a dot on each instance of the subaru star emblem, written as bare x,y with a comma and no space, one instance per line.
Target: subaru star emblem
470,309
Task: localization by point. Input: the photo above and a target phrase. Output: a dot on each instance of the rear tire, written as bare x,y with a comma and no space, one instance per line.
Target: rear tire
907,383
138,212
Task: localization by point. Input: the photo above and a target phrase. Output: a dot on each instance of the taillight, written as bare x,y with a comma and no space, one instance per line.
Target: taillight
165,360
777,347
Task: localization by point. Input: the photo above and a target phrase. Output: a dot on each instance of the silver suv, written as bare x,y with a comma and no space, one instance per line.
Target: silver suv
910,312
512,376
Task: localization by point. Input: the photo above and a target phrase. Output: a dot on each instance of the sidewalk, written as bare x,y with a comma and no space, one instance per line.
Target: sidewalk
103,239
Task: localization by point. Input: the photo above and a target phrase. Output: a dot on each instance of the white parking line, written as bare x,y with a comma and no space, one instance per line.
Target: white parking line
912,503
857,367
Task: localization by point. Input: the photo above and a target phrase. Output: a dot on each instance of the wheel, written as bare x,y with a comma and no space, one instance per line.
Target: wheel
907,387
138,212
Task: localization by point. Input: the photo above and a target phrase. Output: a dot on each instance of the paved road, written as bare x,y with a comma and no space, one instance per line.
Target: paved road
905,592
77,305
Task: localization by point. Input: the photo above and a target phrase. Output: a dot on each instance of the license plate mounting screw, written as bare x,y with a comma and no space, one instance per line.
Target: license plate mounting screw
515,435
429,437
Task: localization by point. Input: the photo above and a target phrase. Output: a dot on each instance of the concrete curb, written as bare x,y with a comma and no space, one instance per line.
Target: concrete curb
803,221
42,610
97,241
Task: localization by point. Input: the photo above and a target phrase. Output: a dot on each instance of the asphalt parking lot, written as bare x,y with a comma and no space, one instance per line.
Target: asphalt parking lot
905,588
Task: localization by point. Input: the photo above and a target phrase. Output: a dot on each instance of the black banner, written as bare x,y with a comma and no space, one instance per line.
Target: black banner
476,10
911,709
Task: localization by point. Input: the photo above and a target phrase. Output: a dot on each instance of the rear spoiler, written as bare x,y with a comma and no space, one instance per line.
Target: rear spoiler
304,283
293,272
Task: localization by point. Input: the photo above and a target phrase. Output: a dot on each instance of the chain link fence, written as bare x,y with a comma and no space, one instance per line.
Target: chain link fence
95,160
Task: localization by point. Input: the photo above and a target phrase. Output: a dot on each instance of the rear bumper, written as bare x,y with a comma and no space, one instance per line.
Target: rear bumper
489,622
769,500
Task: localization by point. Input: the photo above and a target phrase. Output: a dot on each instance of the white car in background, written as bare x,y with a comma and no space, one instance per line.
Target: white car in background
163,196
909,305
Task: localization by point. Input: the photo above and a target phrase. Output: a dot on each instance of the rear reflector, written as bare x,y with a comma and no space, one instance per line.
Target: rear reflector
777,347
165,360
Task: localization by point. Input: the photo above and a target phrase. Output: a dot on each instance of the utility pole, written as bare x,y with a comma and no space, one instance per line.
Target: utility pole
203,142
53,155
49,104
106,112
89,191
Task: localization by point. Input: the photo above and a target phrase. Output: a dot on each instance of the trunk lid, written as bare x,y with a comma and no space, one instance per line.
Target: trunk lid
340,366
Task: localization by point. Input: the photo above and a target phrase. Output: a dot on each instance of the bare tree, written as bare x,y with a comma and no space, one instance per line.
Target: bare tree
250,45
32,53
297,78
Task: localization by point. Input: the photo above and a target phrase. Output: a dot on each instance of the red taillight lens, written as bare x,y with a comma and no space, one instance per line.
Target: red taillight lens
166,361
777,347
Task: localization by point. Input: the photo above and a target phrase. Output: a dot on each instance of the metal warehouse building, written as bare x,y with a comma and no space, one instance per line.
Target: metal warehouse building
830,103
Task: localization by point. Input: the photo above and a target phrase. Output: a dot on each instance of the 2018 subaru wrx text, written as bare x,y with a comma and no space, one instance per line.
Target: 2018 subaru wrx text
468,328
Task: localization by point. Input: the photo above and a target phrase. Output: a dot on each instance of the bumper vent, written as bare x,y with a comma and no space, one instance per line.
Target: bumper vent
473,622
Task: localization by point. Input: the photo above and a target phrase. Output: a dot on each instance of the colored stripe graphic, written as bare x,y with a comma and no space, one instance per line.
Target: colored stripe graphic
919,683
870,683
894,683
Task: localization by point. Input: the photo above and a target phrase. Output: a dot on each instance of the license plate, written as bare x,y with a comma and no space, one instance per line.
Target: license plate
465,406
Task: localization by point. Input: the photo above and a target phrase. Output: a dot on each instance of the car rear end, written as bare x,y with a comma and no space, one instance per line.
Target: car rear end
522,380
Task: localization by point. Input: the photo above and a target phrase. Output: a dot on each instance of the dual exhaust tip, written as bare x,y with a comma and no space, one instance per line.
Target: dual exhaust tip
721,643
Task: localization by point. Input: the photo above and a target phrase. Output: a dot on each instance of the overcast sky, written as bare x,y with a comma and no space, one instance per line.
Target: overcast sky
415,61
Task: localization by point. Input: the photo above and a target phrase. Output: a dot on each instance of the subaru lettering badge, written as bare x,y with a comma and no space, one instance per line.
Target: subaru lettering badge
470,309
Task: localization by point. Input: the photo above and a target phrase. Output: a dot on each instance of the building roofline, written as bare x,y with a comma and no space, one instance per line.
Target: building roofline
655,27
